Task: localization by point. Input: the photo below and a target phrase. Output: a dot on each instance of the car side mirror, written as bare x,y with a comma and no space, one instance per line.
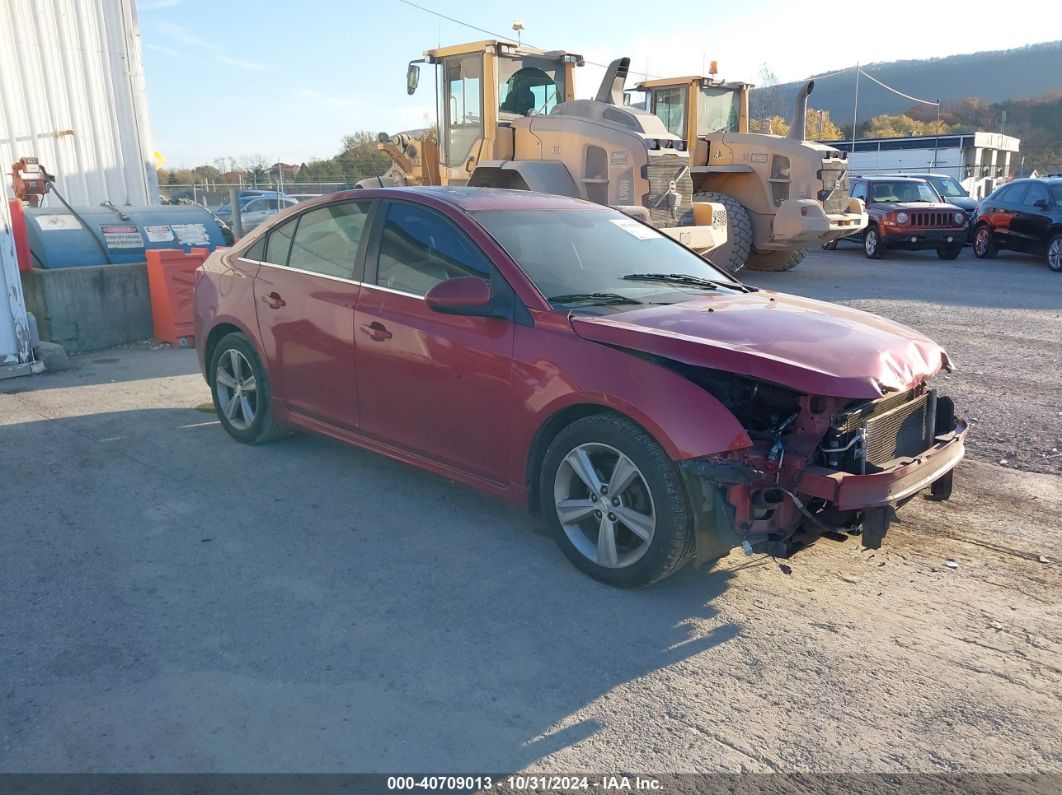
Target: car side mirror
412,78
465,295
1040,204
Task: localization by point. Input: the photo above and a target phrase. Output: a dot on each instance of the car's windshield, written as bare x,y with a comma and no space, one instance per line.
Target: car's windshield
905,191
949,186
569,253
1056,194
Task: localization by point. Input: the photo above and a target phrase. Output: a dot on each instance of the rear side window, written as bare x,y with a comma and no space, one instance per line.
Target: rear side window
1012,194
1036,192
327,239
278,244
255,252
420,248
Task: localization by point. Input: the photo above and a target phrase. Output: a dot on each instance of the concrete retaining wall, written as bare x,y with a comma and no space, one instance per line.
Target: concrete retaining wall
89,308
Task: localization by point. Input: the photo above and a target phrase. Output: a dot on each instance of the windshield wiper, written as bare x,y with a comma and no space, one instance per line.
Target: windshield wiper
595,298
687,280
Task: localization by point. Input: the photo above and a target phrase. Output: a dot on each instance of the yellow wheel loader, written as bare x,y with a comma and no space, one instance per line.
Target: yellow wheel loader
507,120
782,195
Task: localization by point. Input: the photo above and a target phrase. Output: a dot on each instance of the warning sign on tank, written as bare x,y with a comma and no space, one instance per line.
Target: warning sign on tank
158,234
122,237
191,234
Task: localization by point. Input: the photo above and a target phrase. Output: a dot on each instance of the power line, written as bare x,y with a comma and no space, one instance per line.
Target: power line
900,93
457,21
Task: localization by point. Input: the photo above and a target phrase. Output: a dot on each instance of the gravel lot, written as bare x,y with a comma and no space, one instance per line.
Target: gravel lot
173,601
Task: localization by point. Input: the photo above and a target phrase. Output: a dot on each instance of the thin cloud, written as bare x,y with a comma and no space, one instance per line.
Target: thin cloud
181,35
240,63
160,49
157,5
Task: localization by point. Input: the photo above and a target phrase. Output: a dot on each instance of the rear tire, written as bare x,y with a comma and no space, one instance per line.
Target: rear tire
872,245
636,534
1053,254
950,252
240,388
730,256
985,245
775,261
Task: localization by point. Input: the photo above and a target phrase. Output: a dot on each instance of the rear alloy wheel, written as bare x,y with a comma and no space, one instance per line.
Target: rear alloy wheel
872,243
241,391
1054,254
616,502
949,252
985,246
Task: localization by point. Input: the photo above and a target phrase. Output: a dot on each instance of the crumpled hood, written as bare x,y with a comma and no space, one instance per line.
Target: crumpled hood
809,346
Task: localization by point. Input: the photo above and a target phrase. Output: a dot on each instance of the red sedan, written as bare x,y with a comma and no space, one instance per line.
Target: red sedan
566,358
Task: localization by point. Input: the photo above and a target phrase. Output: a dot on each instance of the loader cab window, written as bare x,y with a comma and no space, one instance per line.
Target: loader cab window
529,85
718,110
669,105
462,110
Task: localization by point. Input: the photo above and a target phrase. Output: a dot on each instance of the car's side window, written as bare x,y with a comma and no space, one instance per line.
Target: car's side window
254,206
1036,192
255,252
278,244
1013,194
327,239
420,248
859,191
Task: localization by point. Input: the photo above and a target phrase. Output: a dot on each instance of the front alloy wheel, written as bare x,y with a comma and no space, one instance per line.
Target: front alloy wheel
872,243
984,244
616,502
609,518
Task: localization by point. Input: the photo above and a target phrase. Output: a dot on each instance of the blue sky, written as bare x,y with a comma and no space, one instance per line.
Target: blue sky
286,80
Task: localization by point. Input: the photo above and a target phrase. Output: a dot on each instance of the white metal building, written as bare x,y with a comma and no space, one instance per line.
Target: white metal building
72,95
979,160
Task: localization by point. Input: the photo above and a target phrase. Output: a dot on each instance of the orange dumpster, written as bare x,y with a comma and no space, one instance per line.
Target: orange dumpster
171,278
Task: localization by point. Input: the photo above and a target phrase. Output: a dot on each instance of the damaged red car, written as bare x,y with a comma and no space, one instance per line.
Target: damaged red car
563,357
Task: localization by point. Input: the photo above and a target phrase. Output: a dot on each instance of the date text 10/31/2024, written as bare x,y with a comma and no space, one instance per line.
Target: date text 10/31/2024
524,782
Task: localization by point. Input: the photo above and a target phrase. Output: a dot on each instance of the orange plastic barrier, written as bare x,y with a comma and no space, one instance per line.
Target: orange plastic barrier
171,281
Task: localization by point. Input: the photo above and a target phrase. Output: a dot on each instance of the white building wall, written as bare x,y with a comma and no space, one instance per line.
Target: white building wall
14,331
896,161
72,94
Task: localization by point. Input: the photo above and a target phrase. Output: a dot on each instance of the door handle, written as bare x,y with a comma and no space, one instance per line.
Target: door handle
274,300
377,331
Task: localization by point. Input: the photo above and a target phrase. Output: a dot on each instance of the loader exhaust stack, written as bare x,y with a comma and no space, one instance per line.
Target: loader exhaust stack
797,129
611,91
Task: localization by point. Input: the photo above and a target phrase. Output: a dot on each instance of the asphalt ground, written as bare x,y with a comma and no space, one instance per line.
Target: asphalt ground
172,601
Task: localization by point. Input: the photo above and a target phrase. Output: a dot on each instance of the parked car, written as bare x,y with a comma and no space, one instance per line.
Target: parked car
1023,215
951,190
906,213
566,358
263,208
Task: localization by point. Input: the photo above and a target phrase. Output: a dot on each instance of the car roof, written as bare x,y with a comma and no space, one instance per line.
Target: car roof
467,199
886,178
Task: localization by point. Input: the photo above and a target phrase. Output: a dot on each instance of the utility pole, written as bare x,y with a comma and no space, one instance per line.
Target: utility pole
855,109
936,140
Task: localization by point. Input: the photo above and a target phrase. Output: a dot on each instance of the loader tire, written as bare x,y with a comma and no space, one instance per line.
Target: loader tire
775,261
732,254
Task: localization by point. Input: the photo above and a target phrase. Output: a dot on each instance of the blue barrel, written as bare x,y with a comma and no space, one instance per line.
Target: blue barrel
60,239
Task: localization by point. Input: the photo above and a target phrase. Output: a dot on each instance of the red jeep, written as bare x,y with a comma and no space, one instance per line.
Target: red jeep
906,213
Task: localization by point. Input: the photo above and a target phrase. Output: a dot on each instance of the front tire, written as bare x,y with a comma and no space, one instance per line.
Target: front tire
829,245
949,252
240,388
615,502
1053,254
730,256
872,245
775,261
985,246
